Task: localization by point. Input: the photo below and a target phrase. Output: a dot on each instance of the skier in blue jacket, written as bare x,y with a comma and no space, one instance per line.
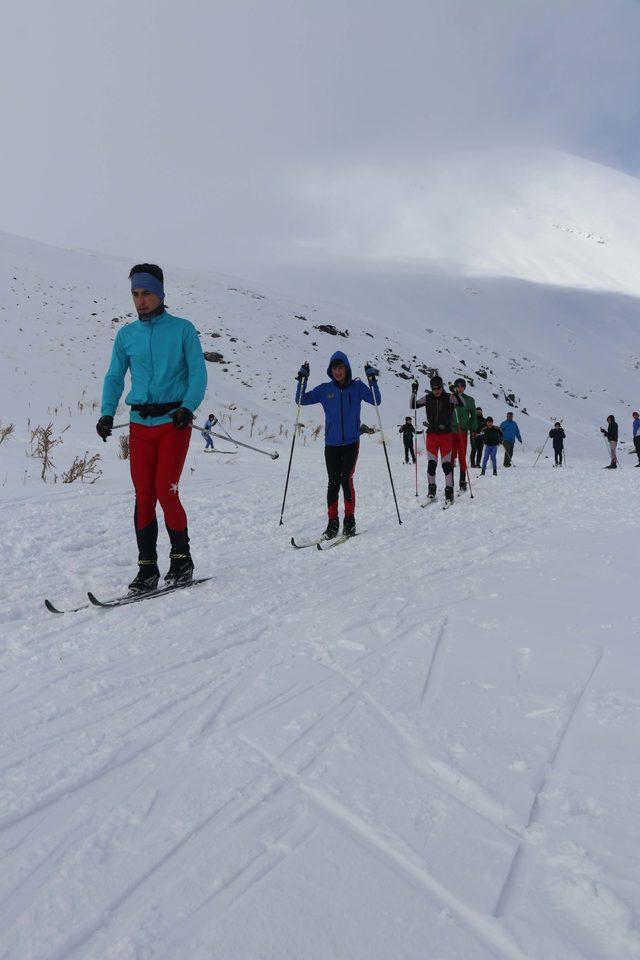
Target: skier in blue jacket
164,358
341,399
510,433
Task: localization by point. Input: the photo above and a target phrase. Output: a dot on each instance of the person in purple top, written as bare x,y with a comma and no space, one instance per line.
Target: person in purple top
636,434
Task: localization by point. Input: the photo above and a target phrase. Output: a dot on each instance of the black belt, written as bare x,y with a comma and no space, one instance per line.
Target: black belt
155,409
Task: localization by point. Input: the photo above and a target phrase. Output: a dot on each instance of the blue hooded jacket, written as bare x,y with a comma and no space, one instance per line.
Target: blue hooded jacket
510,431
341,405
165,359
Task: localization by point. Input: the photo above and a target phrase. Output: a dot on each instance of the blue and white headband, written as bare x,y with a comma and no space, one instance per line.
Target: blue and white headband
147,281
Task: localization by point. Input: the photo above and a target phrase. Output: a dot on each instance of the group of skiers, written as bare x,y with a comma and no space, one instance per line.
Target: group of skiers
168,381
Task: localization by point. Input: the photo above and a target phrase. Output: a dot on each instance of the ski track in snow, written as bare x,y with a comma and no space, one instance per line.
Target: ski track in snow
175,776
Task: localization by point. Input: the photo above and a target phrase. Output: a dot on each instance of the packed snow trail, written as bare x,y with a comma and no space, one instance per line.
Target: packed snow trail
421,744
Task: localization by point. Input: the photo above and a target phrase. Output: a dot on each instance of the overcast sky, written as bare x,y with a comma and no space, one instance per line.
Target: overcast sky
181,131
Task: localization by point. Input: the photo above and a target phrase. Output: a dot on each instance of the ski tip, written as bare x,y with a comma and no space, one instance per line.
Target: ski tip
50,607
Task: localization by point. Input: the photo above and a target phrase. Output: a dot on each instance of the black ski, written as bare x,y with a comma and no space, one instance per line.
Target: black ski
308,543
124,599
151,595
50,607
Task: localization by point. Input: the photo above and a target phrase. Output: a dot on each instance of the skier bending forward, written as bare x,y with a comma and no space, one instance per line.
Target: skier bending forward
168,381
341,399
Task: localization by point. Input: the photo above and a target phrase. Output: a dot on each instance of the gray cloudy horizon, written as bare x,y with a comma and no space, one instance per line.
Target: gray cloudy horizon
183,131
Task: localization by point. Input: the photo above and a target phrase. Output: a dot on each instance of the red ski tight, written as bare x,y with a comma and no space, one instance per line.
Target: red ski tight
157,456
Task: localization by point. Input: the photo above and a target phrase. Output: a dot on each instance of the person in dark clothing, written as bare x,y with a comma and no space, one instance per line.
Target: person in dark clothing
611,435
408,432
491,438
558,437
476,441
341,399
439,408
636,434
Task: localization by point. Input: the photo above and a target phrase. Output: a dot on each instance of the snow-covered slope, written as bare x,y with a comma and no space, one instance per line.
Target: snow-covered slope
420,744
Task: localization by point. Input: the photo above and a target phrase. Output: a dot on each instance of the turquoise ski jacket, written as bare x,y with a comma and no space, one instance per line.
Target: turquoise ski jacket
166,363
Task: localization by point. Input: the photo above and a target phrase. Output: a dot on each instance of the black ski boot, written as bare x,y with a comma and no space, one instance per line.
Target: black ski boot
147,577
333,528
180,569
462,486
349,526
448,494
495,473
432,491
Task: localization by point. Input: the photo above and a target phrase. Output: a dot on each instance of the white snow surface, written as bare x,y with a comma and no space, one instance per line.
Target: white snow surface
421,744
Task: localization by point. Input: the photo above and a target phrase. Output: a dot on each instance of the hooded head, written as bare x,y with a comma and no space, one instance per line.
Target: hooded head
436,382
340,357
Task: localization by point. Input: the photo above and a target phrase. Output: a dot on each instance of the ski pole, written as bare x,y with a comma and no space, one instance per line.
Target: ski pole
415,431
302,381
541,451
239,443
371,380
463,457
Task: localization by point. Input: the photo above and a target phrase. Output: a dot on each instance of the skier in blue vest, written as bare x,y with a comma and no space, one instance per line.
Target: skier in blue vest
341,399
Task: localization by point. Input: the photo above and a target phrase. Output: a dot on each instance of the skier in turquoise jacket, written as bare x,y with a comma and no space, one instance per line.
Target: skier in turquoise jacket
163,356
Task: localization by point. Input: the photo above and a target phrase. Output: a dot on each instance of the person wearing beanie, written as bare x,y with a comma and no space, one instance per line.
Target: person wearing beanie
558,437
611,436
439,407
476,439
465,420
408,432
636,434
491,439
163,356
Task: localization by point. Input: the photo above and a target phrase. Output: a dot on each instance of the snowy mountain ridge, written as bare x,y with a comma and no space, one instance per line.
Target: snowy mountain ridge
541,322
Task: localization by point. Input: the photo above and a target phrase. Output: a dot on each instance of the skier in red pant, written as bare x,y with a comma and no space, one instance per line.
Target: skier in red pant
168,382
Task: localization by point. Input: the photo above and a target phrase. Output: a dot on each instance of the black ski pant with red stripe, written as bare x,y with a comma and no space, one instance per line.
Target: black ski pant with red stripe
341,464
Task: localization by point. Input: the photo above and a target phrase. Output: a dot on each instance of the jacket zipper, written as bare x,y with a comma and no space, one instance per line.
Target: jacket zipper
342,416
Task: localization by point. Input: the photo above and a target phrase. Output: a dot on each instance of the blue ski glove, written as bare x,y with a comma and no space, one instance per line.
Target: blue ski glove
103,427
371,373
303,372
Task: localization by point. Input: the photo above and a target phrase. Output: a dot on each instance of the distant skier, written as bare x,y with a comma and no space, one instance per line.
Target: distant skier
206,431
465,420
408,432
611,434
511,433
476,441
168,379
558,437
341,400
439,407
636,434
491,438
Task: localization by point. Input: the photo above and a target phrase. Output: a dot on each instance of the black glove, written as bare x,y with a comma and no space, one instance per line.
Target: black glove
103,427
414,385
603,431
371,373
182,418
303,372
